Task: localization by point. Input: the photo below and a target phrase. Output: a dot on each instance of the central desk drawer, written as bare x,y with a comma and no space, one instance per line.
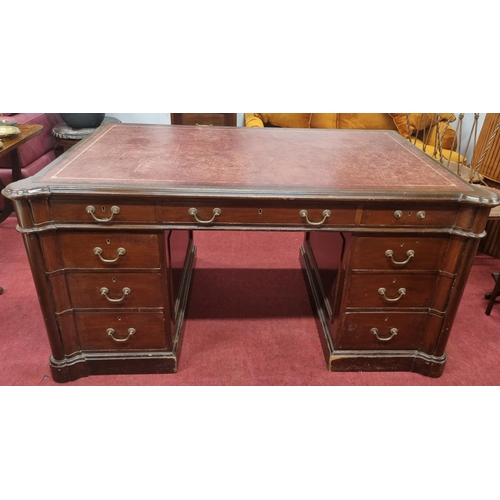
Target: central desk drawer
215,213
114,290
121,331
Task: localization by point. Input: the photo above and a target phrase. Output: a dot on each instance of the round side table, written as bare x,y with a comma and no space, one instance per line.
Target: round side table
66,136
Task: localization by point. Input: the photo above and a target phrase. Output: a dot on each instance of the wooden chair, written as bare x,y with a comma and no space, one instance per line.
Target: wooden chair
491,297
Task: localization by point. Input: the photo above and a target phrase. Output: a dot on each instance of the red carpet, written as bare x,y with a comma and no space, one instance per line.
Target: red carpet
262,333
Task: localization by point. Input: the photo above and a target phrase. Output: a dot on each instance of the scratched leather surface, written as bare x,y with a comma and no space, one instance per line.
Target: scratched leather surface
250,158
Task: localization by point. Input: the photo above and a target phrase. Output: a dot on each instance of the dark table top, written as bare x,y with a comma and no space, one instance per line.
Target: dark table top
27,131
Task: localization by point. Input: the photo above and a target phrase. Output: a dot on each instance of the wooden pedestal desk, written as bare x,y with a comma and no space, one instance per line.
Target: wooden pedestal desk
389,239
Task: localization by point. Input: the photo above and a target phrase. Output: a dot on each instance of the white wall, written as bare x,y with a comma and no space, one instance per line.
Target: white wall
467,126
149,118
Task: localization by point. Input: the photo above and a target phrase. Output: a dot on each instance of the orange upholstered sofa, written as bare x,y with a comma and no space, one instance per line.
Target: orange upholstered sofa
432,132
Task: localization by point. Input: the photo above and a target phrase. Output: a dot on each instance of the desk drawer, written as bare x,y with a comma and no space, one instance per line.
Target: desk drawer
410,216
391,290
100,250
101,210
114,290
383,330
399,253
215,213
121,331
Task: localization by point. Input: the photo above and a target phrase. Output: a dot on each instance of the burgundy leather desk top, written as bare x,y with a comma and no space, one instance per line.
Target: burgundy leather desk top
236,160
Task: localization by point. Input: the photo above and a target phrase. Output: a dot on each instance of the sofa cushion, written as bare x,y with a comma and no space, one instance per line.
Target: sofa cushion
288,120
323,120
410,123
35,166
42,143
365,121
253,120
448,136
447,155
440,134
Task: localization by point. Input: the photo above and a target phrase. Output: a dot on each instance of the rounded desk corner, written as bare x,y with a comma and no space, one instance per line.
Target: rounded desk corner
17,191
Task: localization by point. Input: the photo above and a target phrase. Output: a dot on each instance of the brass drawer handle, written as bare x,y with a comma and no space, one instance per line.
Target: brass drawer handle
194,213
410,254
401,291
305,215
126,291
392,331
111,332
121,251
114,211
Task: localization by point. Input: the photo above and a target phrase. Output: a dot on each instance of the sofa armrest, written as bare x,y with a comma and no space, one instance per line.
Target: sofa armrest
443,133
253,120
445,156
286,120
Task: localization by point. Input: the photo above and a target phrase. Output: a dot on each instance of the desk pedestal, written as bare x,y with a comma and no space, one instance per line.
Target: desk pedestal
374,315
109,333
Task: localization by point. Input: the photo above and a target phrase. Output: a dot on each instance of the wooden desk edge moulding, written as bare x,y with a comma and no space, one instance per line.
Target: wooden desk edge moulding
389,239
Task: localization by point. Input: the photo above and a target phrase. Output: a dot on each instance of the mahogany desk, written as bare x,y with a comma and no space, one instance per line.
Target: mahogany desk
389,239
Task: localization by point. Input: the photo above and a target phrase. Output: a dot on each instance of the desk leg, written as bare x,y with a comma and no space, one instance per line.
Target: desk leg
180,259
321,260
491,297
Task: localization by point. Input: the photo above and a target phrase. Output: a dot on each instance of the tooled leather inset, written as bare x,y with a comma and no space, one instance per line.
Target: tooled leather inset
249,158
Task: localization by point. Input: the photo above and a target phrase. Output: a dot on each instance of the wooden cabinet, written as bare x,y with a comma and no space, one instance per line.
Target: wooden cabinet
216,119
